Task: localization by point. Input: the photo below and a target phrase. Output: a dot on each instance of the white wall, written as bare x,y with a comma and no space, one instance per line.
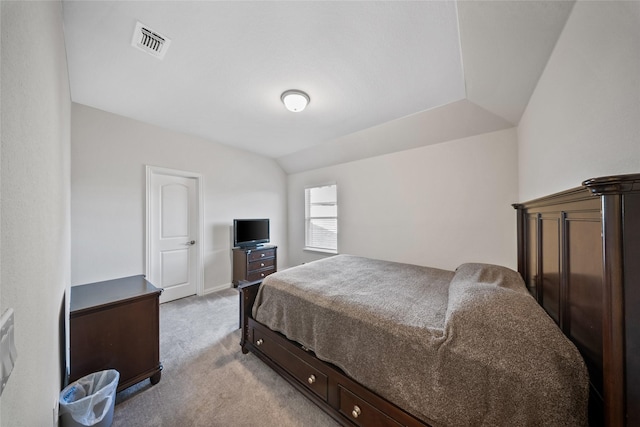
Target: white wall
34,205
439,205
583,120
108,158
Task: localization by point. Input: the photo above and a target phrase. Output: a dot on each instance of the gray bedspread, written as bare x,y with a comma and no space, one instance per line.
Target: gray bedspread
463,348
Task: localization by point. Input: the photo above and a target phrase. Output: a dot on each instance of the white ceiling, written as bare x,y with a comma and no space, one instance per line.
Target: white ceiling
383,76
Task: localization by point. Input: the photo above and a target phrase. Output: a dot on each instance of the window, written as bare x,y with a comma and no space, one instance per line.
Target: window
321,218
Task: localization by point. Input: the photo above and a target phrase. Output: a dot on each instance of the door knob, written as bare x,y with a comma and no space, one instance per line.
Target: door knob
193,242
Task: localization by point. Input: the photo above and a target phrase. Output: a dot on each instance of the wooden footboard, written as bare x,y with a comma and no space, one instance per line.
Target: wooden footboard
344,399
248,292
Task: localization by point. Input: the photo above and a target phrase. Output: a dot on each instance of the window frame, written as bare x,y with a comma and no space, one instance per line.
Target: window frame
308,218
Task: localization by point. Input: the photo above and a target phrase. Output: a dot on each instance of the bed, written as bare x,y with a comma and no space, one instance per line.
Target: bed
410,345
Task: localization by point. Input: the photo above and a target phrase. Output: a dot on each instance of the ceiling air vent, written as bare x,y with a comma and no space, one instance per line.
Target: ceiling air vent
150,41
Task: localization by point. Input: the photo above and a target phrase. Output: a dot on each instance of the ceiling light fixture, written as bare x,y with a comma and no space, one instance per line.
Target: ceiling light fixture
295,100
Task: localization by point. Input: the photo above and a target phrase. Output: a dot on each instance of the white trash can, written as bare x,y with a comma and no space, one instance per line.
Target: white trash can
89,401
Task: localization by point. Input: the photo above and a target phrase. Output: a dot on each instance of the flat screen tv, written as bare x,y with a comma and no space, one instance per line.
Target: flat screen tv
250,232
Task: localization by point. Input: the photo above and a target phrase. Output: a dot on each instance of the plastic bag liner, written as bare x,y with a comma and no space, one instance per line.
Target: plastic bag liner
89,401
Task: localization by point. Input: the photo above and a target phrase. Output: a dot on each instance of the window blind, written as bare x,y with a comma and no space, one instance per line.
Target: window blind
321,218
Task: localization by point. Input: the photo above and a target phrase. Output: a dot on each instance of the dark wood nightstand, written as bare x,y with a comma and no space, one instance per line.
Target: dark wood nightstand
115,325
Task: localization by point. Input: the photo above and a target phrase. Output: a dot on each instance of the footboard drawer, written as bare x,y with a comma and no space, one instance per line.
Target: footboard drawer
361,412
306,374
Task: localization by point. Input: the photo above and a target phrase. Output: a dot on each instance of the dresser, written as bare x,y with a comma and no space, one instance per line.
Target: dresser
254,264
115,325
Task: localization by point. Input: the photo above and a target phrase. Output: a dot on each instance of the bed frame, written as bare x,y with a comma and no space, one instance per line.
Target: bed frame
579,254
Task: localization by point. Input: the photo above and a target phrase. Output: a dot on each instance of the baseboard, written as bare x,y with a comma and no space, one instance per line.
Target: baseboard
217,288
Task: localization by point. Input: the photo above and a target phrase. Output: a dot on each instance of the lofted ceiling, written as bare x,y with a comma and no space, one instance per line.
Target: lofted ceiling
383,76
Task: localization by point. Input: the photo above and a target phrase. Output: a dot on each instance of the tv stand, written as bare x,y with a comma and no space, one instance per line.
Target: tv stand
254,263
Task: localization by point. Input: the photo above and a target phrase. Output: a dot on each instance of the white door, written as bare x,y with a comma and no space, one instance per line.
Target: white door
173,240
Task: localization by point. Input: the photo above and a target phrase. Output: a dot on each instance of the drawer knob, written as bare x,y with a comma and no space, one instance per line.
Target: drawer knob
356,411
259,342
262,274
311,379
262,264
261,255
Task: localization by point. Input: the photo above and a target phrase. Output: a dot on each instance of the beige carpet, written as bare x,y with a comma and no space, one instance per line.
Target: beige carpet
207,381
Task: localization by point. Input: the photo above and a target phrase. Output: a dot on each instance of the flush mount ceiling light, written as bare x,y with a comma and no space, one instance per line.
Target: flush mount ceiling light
295,100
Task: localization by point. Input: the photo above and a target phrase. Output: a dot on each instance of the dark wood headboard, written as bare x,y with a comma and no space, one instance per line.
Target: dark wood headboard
579,254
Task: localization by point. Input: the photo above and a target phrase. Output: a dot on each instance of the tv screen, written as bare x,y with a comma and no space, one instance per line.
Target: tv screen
250,232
